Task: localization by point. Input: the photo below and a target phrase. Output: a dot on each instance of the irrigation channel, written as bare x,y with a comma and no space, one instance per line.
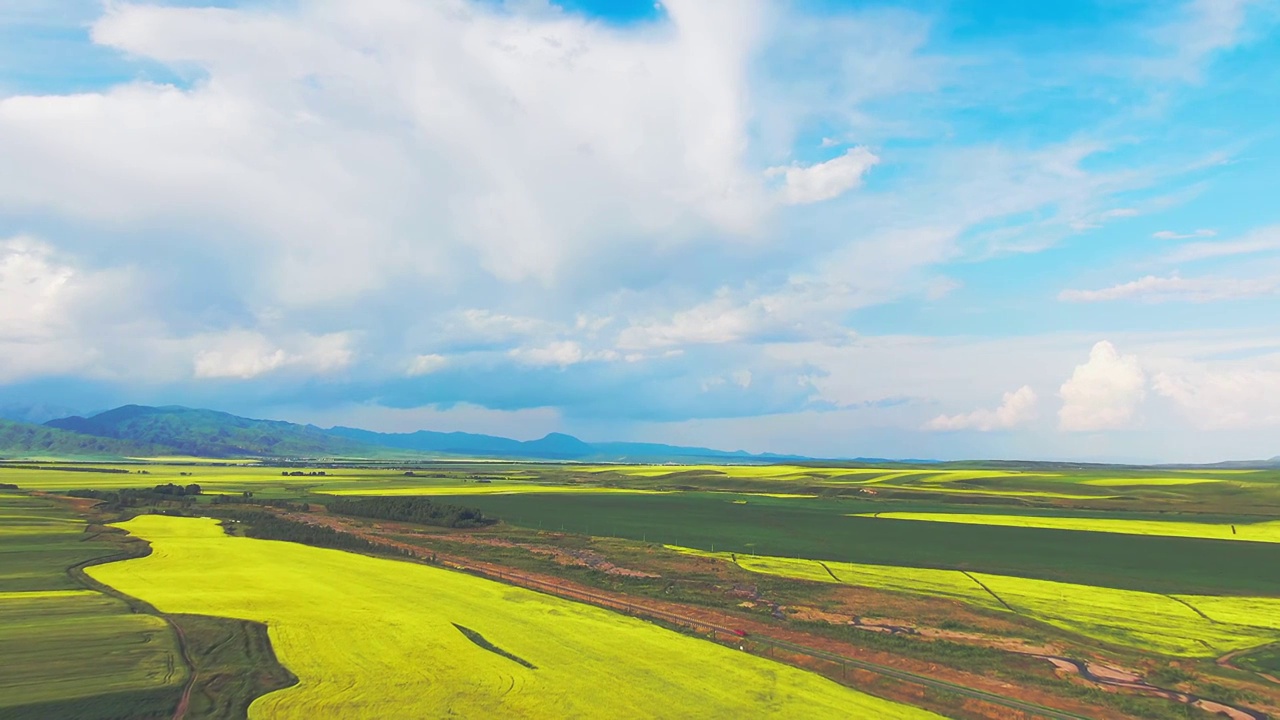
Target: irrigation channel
781,649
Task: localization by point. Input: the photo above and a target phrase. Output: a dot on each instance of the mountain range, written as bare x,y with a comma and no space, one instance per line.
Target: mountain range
141,431
137,431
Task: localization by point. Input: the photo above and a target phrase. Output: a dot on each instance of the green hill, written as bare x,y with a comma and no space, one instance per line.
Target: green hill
209,433
22,440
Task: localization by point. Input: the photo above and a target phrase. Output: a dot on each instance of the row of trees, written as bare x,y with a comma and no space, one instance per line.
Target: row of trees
246,498
133,497
268,526
411,509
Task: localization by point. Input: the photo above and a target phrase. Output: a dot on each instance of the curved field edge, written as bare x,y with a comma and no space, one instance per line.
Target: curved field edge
226,663
369,637
1267,532
56,634
1177,625
233,664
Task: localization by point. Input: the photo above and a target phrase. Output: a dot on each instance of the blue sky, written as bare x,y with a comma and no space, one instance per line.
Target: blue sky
917,229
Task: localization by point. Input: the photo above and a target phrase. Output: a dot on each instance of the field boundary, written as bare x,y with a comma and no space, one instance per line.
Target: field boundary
757,644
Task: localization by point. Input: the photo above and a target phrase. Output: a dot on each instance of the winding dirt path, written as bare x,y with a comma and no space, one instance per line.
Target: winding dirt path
184,703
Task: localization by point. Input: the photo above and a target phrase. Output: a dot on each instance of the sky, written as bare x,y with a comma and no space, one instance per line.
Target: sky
923,229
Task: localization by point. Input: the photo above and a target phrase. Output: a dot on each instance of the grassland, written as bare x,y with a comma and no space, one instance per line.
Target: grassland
1183,625
1252,532
378,638
68,651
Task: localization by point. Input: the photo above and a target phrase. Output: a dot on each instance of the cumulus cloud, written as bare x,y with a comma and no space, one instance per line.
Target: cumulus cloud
1171,235
804,184
55,315
1016,408
1174,288
562,353
34,289
245,354
1103,393
426,364
325,137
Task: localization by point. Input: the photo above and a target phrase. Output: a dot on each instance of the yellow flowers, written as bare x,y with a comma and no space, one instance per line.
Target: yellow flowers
1256,532
1186,625
374,638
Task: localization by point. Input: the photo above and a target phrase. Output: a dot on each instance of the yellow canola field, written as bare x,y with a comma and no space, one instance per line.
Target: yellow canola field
1150,621
1145,481
1001,493
485,489
1256,532
375,638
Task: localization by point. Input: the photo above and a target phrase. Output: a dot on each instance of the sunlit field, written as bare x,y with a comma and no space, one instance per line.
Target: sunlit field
1160,623
374,638
1253,532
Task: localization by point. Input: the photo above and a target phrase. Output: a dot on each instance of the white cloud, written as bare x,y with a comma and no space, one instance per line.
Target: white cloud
483,324
244,354
1174,288
327,137
562,353
58,317
1216,398
1195,32
801,309
1262,240
426,364
34,290
1171,235
1103,393
805,184
523,424
1016,408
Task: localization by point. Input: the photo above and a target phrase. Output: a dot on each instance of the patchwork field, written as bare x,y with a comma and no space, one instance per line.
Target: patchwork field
1253,532
69,651
821,528
481,489
80,644
417,641
1187,625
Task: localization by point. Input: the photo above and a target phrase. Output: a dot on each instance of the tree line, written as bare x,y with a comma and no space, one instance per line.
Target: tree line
422,511
133,497
268,526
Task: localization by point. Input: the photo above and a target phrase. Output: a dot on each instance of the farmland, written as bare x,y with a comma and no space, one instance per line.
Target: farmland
389,653
967,568
55,633
1250,532
1178,625
820,529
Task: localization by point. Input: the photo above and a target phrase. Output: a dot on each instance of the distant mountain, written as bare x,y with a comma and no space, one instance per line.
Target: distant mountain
34,413
555,446
209,433
23,440
174,430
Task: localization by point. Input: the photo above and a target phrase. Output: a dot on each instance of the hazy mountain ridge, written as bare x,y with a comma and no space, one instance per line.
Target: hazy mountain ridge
554,446
142,431
28,440
210,433
137,430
